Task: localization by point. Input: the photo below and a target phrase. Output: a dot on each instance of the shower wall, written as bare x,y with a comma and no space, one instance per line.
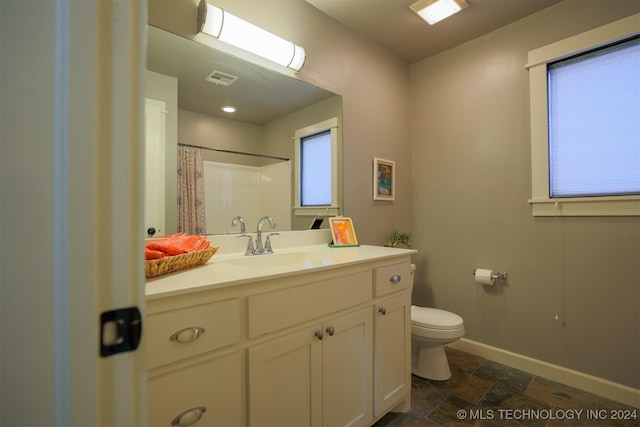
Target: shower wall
249,191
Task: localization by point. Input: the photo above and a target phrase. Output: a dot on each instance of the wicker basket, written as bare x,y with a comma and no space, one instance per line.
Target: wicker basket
158,267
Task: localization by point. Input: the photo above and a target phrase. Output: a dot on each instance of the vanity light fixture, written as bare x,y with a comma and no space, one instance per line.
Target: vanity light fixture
434,11
228,28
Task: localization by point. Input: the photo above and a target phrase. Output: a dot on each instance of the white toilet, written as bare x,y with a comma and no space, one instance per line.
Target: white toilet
431,329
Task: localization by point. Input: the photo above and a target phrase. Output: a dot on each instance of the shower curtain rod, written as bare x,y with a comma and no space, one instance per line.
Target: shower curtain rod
220,150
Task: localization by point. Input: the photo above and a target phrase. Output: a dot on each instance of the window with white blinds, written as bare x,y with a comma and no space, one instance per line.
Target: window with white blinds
594,122
317,173
584,94
315,170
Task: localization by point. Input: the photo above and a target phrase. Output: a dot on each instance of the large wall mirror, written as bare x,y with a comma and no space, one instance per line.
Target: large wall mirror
248,155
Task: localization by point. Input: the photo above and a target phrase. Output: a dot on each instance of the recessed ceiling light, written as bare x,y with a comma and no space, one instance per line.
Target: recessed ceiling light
229,109
434,11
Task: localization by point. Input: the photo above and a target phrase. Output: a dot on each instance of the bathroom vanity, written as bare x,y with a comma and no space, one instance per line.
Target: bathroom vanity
309,335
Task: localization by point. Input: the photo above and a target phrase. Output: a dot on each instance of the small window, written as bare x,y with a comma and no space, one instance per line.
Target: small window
585,136
315,169
594,125
317,155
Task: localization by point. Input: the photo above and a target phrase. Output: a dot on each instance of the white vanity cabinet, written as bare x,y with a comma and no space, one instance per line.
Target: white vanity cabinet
318,347
392,348
319,375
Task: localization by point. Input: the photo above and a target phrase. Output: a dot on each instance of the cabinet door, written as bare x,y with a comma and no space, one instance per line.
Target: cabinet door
285,380
392,352
207,393
347,370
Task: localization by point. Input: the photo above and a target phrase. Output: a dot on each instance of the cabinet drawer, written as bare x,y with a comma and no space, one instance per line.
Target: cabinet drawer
211,390
393,278
276,310
178,334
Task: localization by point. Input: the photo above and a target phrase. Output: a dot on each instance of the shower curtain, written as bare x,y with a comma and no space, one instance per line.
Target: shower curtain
191,207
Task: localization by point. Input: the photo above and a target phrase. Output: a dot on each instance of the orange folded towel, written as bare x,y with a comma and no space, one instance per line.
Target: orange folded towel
175,245
151,254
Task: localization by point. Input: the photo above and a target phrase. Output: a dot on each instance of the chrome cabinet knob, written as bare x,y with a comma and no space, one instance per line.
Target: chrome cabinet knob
382,311
331,331
319,335
395,278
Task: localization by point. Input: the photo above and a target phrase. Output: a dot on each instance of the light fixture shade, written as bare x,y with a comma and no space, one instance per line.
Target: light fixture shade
434,11
244,35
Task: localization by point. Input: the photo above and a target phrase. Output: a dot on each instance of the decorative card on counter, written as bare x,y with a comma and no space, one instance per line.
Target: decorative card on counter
342,232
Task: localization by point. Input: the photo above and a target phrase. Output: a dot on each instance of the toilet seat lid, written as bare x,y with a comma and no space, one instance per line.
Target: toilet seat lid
434,318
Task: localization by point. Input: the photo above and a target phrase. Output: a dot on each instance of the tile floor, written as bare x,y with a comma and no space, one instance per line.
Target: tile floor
485,393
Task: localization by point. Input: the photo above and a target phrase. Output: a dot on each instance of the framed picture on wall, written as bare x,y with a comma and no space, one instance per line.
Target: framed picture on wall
384,179
342,231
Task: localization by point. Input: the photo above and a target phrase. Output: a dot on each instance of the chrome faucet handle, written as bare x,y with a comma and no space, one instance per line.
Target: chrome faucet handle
267,244
238,219
250,250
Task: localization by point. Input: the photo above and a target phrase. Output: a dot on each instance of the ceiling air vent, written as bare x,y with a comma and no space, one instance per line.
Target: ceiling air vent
220,78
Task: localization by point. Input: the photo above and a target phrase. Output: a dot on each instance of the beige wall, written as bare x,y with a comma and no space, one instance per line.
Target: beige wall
471,178
207,131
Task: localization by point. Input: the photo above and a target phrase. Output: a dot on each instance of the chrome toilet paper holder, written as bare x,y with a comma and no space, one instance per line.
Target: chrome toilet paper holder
495,276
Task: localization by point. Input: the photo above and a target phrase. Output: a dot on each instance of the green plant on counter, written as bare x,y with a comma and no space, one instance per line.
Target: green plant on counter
400,238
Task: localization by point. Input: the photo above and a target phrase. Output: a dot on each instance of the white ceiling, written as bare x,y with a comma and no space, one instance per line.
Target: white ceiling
391,24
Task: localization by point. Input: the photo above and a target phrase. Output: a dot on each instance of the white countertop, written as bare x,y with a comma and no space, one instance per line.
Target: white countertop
225,267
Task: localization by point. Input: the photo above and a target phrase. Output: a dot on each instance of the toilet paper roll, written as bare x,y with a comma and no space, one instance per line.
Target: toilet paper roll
484,276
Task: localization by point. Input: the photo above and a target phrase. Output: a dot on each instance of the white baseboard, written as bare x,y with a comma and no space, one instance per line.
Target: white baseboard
598,386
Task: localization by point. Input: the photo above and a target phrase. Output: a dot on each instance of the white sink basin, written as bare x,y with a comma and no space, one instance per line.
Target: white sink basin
286,259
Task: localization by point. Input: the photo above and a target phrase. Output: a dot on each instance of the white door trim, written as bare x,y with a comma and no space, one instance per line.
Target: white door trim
71,165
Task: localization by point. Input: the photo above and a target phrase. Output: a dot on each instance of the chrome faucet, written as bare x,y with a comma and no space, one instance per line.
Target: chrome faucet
272,223
238,219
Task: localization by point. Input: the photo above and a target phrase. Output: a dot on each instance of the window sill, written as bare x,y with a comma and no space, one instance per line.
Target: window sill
587,206
316,211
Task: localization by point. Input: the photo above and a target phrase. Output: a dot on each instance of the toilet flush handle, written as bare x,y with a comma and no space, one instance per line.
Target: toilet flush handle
395,278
